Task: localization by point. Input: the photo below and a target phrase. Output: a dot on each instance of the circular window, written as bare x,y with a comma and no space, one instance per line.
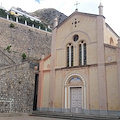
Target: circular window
75,37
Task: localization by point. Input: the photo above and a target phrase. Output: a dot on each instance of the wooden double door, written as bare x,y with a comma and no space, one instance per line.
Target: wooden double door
76,99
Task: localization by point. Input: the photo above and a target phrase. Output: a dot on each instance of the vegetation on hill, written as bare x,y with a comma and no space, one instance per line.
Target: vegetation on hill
22,19
3,13
47,17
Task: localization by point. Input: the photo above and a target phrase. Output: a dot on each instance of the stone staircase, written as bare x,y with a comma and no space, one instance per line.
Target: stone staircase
72,116
5,60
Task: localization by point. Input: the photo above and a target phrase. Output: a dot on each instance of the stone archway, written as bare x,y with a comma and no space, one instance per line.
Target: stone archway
75,93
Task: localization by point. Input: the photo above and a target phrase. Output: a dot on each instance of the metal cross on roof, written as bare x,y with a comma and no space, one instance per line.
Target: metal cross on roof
77,4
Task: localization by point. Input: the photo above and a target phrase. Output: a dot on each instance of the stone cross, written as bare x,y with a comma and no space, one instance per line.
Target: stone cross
77,4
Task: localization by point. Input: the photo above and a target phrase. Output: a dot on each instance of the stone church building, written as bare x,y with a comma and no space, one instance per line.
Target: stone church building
82,73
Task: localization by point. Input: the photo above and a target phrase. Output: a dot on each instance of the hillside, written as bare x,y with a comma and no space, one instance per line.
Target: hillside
48,15
22,10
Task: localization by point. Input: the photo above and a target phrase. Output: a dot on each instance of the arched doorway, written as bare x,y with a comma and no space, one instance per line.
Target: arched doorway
75,93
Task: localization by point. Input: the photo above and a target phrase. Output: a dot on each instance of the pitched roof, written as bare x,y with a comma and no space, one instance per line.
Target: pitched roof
86,14
77,13
111,30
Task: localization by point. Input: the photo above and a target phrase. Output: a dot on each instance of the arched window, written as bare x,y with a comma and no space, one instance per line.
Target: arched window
82,53
111,41
75,80
69,55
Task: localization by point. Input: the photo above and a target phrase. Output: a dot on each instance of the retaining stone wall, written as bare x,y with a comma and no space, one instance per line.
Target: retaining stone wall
16,88
22,37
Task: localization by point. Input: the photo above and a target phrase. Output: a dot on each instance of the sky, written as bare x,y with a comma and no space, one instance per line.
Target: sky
111,8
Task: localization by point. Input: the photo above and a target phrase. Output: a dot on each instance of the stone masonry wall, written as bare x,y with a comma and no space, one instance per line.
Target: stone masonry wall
17,79
9,58
17,88
22,37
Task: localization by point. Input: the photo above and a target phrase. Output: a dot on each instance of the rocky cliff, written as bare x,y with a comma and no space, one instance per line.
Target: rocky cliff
48,15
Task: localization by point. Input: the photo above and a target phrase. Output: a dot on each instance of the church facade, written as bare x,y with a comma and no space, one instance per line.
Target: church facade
82,73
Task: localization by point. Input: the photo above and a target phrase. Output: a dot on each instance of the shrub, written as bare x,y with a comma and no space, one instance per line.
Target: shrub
12,17
49,30
12,25
22,19
8,48
3,13
23,56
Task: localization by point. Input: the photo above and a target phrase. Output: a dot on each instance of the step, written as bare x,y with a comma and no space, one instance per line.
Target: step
72,116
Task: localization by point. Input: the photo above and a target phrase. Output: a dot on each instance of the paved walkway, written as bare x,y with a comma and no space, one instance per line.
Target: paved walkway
28,118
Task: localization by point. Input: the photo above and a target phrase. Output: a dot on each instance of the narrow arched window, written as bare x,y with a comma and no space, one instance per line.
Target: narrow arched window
85,60
70,55
111,41
67,56
82,53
